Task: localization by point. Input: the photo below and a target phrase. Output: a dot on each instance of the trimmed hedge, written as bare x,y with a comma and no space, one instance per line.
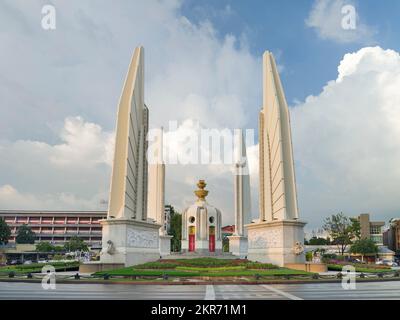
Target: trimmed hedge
216,269
37,267
339,267
205,263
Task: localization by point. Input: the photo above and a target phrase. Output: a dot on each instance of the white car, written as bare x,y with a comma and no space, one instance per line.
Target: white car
28,262
387,263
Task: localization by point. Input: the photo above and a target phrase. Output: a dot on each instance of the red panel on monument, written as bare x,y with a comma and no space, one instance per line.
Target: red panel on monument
192,239
211,240
191,242
211,243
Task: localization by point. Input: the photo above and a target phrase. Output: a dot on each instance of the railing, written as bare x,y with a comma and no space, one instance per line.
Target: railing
395,275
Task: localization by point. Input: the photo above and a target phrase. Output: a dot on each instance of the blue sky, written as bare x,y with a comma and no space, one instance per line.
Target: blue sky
309,62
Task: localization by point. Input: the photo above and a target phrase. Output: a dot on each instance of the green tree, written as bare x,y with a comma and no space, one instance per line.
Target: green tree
76,244
175,231
364,247
343,230
5,232
225,244
45,246
314,241
25,235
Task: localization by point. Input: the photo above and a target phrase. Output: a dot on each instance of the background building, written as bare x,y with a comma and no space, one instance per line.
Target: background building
371,229
57,227
391,236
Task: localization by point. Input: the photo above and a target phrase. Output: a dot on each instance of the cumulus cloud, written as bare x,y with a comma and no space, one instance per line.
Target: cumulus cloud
85,144
9,197
347,139
326,18
73,174
191,72
186,143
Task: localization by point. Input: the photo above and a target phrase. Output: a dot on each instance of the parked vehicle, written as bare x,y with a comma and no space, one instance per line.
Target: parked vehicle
387,263
27,262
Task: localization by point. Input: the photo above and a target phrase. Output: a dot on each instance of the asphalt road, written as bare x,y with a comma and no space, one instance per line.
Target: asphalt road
371,290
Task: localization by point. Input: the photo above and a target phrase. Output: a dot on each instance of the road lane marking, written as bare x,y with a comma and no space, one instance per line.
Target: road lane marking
210,293
280,292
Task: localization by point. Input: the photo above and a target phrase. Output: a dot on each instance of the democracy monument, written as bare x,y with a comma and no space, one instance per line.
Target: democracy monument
133,231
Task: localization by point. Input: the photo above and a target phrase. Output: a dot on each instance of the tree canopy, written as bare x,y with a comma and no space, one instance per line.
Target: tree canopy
76,244
25,235
175,230
314,241
45,246
5,232
364,247
342,229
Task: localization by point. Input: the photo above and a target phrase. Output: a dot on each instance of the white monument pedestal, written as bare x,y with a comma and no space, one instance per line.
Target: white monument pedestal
165,245
238,246
129,242
276,242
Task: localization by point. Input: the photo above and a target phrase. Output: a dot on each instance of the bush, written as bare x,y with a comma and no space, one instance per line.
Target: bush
309,256
157,265
205,263
217,269
259,265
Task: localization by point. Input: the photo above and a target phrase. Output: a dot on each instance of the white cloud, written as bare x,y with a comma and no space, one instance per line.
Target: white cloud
9,196
85,144
182,179
326,18
347,139
73,174
191,72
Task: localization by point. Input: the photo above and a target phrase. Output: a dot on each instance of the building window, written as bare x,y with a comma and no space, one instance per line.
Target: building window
377,239
192,219
375,230
211,219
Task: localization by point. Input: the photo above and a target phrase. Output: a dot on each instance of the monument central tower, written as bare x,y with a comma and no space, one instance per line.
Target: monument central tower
278,235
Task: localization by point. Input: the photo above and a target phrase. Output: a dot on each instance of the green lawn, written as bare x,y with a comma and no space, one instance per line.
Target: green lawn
201,267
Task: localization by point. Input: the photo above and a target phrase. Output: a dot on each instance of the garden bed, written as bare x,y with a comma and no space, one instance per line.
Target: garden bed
203,267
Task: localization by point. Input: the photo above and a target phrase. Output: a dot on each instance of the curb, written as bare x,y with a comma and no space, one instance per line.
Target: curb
199,282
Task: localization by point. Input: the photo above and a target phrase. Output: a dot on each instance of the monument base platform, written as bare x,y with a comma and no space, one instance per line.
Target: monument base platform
133,242
276,242
165,245
238,246
308,266
97,266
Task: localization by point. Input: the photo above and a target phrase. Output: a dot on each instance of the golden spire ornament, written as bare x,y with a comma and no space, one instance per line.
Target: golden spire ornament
201,193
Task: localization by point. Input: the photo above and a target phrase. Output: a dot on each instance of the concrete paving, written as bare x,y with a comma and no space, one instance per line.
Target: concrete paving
371,290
